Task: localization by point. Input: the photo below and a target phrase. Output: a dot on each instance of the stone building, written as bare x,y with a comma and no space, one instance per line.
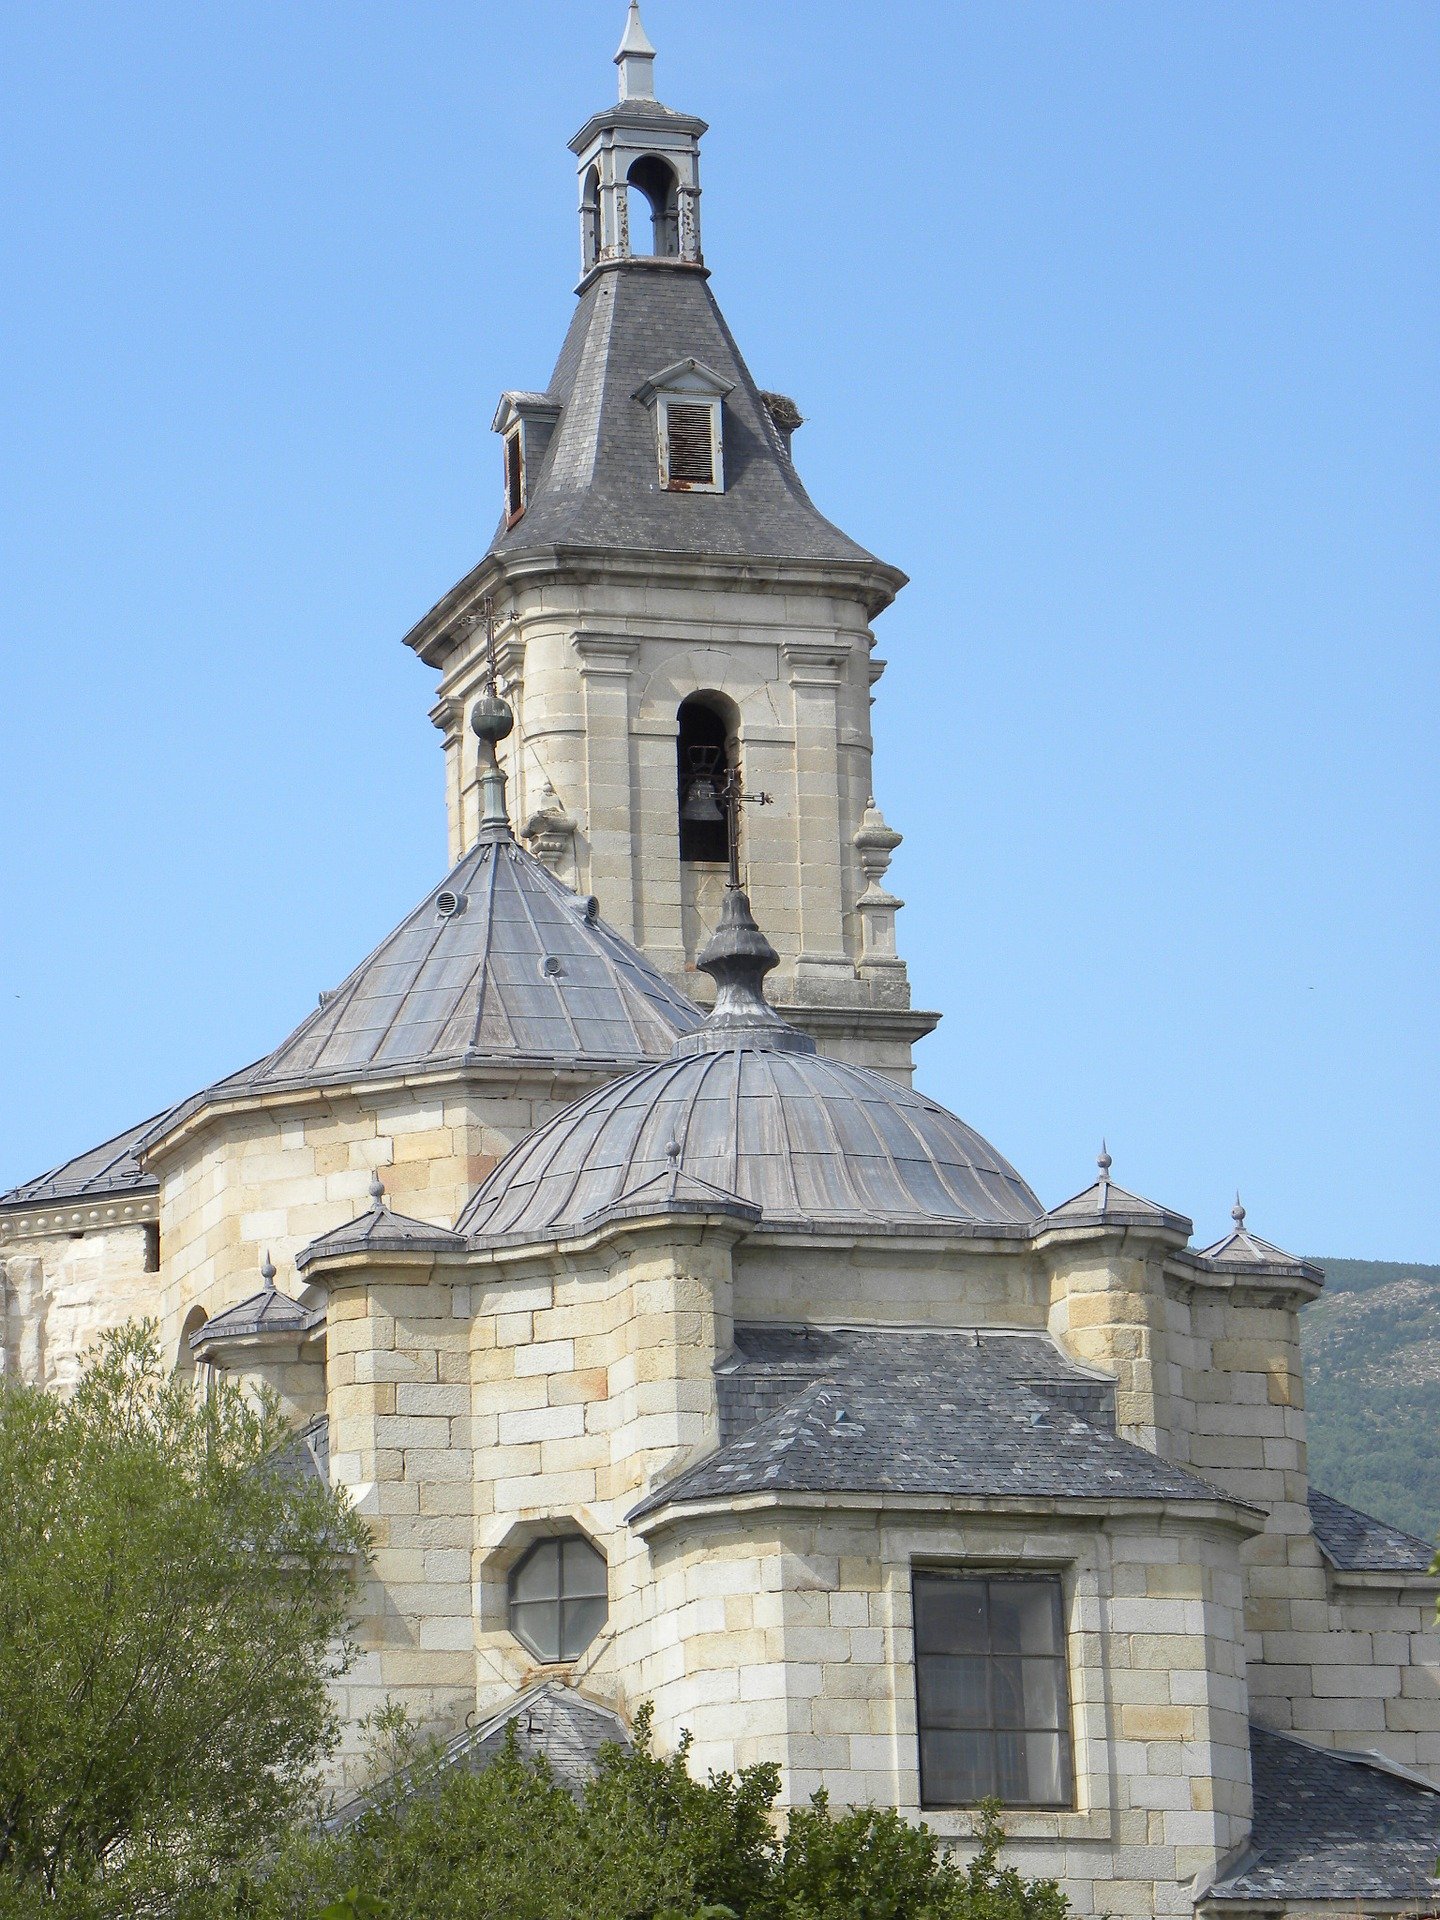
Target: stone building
673,1346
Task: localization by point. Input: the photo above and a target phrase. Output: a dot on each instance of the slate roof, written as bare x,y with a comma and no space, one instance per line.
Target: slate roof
812,1142
1332,1826
552,1722
918,1412
1355,1542
1241,1251
381,1230
1104,1204
598,484
268,1312
103,1171
524,971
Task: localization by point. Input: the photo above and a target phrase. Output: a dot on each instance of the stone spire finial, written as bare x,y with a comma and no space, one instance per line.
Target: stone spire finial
636,59
267,1272
377,1192
1104,1163
1237,1213
492,720
737,958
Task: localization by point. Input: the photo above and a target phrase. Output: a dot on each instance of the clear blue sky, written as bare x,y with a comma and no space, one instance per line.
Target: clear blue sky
1115,325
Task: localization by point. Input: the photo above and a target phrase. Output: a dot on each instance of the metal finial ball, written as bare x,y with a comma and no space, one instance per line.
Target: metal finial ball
491,718
377,1190
1237,1212
267,1271
1103,1161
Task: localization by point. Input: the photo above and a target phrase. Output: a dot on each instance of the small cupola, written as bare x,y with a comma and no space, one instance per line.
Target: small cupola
639,167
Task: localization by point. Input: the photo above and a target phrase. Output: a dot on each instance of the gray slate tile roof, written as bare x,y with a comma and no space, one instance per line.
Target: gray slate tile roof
552,1722
381,1230
1104,1204
267,1312
598,484
921,1413
1241,1251
812,1142
524,971
111,1168
1333,1827
1355,1542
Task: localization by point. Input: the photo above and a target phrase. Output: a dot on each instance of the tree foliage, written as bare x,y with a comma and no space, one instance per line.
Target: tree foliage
644,1841
173,1603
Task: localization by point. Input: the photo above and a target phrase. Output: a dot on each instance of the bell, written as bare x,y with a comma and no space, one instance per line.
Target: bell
701,804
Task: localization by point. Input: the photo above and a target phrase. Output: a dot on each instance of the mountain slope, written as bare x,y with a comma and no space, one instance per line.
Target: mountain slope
1371,1344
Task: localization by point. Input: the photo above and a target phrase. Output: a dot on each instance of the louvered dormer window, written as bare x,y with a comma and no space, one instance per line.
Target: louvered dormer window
688,402
514,476
526,422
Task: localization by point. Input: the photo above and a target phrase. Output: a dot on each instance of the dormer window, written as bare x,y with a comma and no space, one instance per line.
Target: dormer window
688,402
526,421
514,476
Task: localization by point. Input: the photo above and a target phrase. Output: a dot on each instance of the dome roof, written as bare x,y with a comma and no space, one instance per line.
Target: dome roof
746,1109
499,961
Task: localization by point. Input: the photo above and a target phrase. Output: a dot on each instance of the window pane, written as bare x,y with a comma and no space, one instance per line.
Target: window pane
538,1576
1022,1616
583,1569
583,1619
1044,1694
949,1615
955,1768
952,1691
1046,1757
537,1623
1008,1692
992,1691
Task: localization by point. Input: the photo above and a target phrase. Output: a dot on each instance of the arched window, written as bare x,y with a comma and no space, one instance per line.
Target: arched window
656,181
590,217
185,1361
704,758
559,1598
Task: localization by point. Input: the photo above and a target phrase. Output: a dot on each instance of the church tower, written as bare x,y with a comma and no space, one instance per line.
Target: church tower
684,640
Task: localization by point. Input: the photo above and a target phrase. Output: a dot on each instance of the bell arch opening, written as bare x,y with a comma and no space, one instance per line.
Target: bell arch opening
590,241
653,180
706,756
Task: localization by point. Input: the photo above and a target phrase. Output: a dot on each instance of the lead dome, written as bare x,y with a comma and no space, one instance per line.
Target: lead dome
746,1111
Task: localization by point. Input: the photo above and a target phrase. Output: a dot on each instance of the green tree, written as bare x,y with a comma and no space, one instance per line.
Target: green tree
174,1598
644,1841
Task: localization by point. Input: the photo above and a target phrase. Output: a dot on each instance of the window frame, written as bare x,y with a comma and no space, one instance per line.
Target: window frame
989,1577
555,1543
711,404
514,450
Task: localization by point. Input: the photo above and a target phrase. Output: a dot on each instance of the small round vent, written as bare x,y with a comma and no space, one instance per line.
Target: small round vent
448,904
590,909
550,967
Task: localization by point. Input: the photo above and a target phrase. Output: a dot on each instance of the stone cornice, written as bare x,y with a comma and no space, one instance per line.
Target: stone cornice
80,1215
871,582
1231,1516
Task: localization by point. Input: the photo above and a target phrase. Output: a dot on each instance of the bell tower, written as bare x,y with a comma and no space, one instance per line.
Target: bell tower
684,640
638,151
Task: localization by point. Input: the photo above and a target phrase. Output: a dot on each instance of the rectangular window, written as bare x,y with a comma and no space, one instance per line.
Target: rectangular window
514,477
993,1693
690,452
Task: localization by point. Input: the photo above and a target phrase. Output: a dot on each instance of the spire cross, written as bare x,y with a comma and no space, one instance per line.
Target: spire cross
732,797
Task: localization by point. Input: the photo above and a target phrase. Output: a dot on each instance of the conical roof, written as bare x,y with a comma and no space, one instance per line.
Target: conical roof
597,485
501,961
746,1110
